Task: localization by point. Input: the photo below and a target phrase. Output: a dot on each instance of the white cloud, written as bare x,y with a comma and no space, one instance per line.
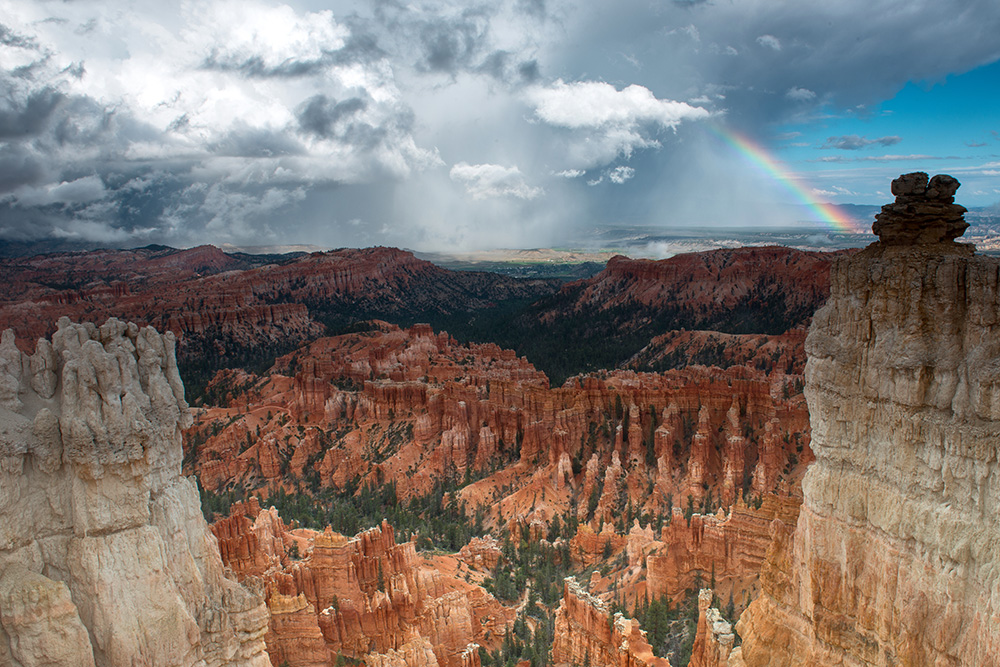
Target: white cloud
594,104
800,94
836,191
484,181
885,158
690,30
608,122
621,174
570,173
770,41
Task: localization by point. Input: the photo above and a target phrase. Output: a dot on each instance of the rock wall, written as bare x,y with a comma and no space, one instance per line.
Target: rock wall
733,547
895,559
105,558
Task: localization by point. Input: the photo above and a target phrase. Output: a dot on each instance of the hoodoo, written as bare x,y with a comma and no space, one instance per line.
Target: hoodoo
105,558
895,559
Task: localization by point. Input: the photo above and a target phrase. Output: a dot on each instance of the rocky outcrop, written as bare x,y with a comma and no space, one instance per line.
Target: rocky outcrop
700,289
924,212
783,352
585,634
481,553
894,558
713,642
365,597
105,558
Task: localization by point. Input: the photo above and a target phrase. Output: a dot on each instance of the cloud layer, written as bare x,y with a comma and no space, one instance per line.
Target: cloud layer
422,124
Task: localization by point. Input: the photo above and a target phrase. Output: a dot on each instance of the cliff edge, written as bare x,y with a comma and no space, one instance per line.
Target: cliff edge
896,554
105,558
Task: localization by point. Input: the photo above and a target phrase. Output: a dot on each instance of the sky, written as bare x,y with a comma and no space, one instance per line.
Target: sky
441,125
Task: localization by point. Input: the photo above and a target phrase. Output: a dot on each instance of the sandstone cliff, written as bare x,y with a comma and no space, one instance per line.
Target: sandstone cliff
105,558
894,560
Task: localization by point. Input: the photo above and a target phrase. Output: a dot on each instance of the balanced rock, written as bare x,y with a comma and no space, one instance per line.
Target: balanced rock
924,211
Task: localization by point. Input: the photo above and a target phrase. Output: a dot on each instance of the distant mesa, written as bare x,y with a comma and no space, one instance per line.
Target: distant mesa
924,211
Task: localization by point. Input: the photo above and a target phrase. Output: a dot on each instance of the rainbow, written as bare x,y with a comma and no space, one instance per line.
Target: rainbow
757,155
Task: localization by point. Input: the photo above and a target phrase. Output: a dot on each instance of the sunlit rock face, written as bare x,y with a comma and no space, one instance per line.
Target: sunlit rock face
896,554
105,558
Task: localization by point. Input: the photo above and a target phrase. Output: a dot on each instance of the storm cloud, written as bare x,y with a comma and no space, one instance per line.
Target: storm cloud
440,123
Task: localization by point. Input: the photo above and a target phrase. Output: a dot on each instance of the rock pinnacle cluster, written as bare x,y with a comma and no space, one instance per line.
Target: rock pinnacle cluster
924,211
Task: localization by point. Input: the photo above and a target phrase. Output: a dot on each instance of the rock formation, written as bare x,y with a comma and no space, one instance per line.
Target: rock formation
894,559
220,304
414,407
586,634
732,547
105,558
362,597
714,640
701,289
924,212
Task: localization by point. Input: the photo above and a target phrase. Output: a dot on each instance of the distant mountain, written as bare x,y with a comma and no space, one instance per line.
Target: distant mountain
235,310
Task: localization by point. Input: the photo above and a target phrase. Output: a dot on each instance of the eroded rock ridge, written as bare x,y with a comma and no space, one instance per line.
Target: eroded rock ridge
105,558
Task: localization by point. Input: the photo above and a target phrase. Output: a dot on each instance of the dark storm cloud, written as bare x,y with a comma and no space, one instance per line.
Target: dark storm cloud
505,66
320,114
853,142
450,44
21,119
256,67
18,167
462,41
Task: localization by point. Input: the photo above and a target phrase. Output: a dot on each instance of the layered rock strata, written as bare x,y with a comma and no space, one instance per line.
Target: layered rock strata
732,548
218,304
105,558
895,560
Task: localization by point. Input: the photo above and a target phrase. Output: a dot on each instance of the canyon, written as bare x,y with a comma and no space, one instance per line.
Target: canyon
852,524
412,407
237,307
